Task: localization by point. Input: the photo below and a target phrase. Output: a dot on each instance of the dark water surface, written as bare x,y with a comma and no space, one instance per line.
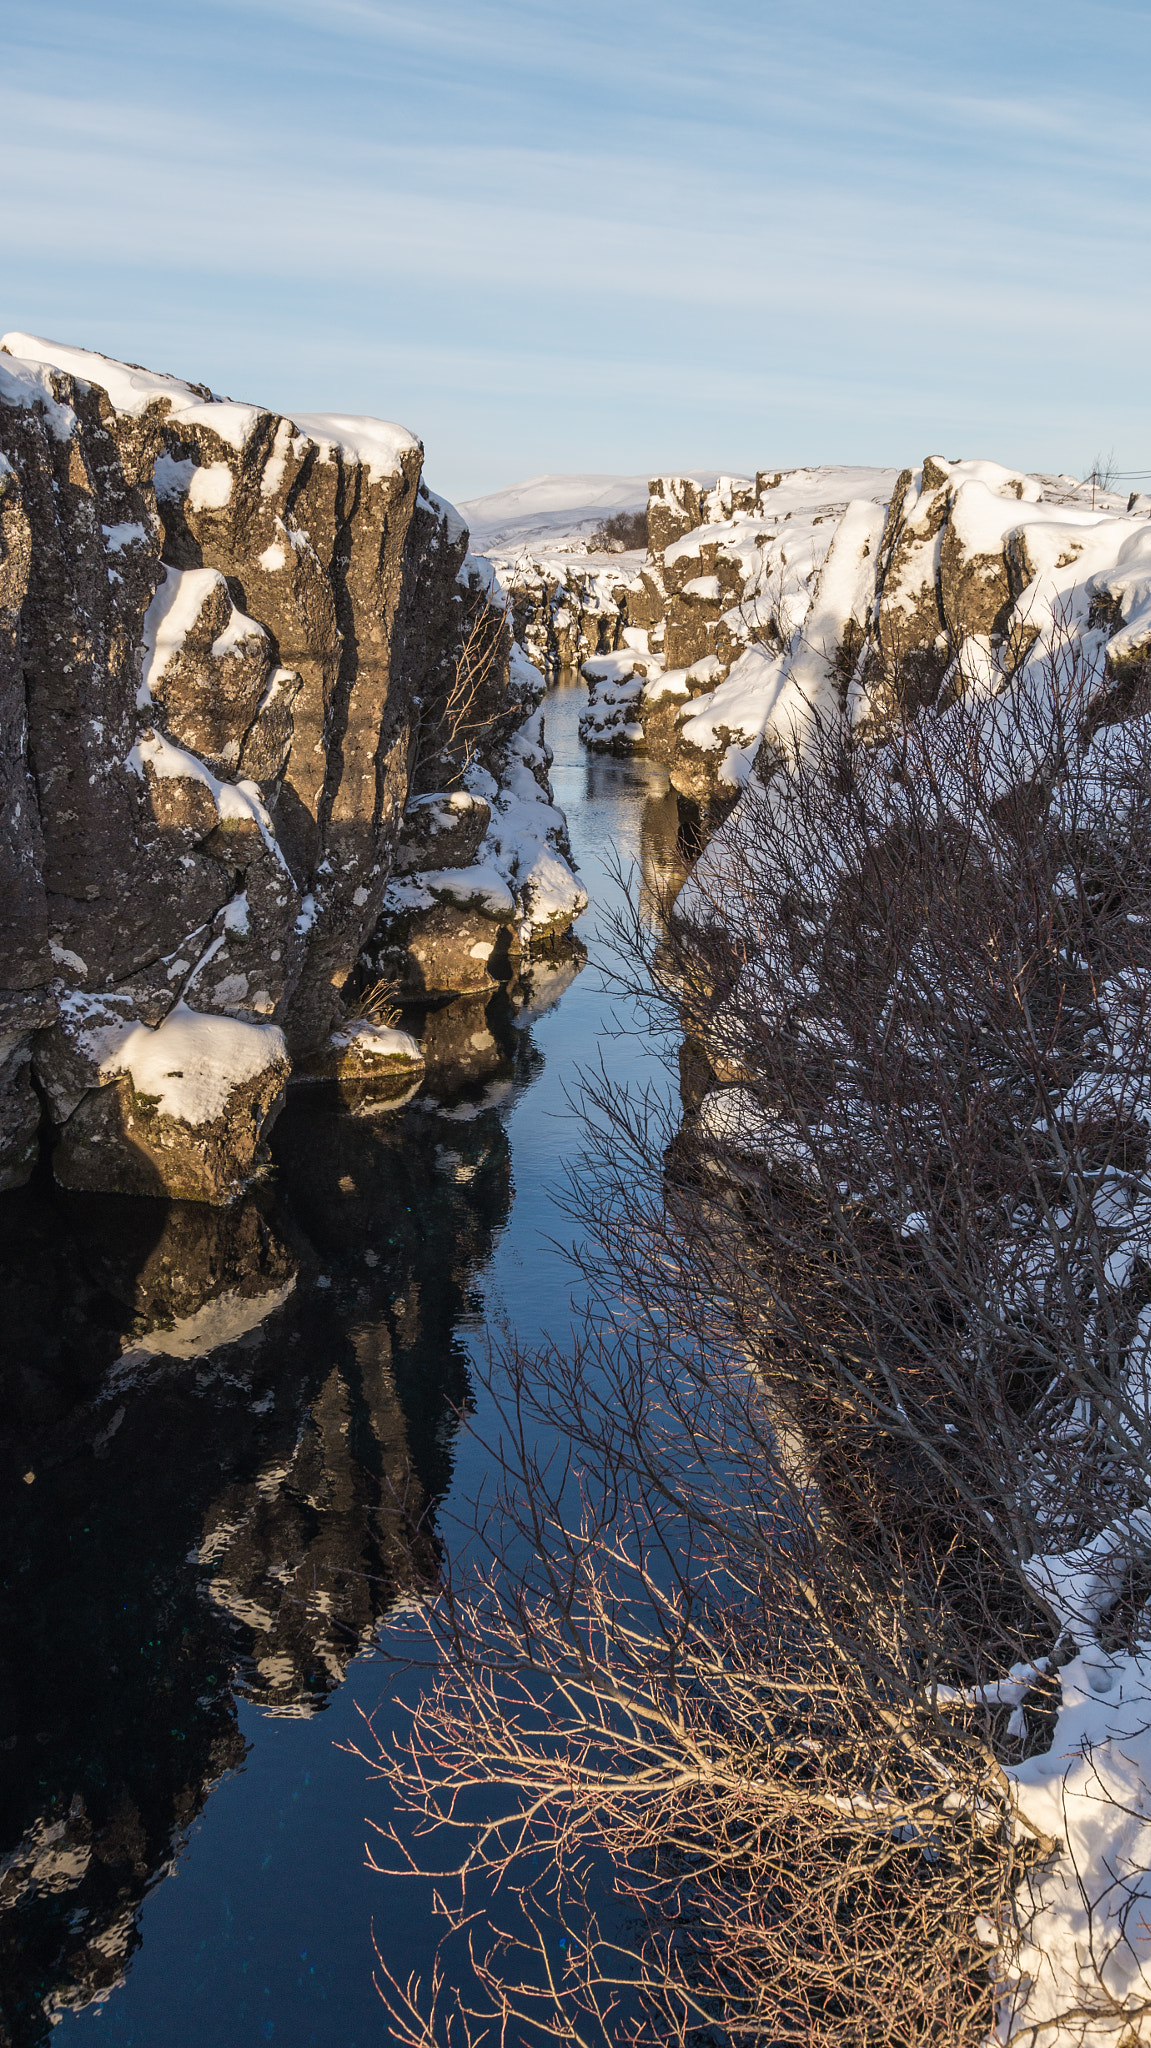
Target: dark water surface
221,1436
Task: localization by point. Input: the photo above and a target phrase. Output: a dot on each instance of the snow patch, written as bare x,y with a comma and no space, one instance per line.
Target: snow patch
380,1040
192,1062
132,390
378,444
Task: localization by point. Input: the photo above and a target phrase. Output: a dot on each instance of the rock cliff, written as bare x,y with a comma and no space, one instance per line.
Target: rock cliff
232,646
764,601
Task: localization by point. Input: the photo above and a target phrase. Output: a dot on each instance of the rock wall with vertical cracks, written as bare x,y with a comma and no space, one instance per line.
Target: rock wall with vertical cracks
232,646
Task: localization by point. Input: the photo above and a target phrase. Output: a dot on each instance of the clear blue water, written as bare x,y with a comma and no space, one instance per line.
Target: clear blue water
199,1569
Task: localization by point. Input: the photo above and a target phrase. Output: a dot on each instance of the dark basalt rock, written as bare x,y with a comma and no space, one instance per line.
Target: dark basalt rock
224,637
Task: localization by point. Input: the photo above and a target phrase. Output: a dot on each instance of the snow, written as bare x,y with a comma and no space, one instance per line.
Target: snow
477,573
92,1023
524,839
27,384
277,462
192,1062
129,533
209,487
548,510
445,807
672,682
975,670
1082,1585
735,1119
132,390
63,958
842,594
1086,1916
740,707
1130,583
617,668
171,480
240,802
172,615
378,444
804,493
235,916
457,526
479,888
982,519
238,629
379,1040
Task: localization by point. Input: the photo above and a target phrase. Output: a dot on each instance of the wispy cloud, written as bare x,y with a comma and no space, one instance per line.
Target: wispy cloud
527,230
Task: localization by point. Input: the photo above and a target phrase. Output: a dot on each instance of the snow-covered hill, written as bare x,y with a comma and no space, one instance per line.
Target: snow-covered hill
549,511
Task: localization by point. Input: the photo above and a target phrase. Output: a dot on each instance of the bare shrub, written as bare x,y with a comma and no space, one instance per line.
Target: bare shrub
449,728
623,531
865,1361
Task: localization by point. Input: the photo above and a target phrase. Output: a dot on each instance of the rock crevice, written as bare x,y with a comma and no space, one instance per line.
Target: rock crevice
231,648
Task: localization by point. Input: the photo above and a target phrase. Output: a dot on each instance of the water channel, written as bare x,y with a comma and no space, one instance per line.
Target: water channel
221,1431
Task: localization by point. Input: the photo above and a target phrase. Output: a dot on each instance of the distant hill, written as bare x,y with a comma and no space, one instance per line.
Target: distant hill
547,510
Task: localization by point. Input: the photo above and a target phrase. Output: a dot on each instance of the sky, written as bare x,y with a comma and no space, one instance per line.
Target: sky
617,236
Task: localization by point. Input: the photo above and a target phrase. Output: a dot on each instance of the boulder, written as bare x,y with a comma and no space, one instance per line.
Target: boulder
181,1110
444,830
446,932
616,683
363,1058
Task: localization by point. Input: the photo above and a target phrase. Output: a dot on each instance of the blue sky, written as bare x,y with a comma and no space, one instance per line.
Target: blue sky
629,236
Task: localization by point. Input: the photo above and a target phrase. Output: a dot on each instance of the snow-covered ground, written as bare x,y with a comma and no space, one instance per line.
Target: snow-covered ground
798,574
547,511
555,513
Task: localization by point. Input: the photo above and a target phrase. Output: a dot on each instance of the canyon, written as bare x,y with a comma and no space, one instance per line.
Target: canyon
291,958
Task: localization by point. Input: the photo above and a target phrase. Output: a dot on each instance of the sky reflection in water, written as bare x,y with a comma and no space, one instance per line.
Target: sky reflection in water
196,1575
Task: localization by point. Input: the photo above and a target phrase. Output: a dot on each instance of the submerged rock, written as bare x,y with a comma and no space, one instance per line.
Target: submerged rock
364,1058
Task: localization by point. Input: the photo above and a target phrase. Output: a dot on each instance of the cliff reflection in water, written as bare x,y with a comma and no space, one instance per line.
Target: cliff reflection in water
225,1435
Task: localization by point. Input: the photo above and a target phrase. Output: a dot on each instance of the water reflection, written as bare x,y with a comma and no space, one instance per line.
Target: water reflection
226,1434
242,1427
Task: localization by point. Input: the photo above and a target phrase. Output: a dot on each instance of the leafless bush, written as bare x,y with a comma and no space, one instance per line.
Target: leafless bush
449,729
376,1003
624,530
865,1357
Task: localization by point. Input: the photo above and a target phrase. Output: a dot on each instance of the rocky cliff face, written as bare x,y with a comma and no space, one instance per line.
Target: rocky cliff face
764,602
566,609
232,645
